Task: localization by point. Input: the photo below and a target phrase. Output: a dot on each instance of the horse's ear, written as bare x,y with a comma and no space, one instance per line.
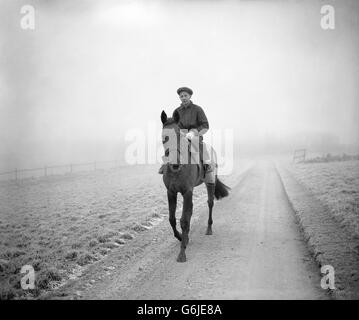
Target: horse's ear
163,117
176,116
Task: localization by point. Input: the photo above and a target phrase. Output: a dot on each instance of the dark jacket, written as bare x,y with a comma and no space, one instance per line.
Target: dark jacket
192,117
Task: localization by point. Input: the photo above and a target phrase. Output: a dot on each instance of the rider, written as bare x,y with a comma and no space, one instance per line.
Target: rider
192,118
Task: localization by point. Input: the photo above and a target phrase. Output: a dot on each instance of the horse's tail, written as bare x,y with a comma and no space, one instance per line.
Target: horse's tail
221,190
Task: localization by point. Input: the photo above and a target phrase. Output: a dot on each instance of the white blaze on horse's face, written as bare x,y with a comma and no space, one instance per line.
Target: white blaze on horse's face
175,144
185,97
169,140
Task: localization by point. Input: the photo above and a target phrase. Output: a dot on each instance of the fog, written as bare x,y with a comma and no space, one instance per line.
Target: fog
72,88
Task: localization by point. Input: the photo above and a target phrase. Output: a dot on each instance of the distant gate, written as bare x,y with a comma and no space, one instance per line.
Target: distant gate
299,155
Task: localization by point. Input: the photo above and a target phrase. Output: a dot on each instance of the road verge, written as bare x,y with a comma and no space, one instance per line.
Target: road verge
327,240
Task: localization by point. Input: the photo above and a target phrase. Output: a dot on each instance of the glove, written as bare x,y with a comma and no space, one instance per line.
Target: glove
190,135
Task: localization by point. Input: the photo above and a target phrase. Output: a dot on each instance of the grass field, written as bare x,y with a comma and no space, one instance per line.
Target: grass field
335,184
61,224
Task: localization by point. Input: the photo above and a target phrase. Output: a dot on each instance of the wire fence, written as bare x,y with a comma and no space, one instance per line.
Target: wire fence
45,171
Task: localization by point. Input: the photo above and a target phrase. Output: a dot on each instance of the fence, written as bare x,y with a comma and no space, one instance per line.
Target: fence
61,169
299,155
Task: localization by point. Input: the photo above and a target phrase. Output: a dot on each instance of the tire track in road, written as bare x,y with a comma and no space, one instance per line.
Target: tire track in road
256,252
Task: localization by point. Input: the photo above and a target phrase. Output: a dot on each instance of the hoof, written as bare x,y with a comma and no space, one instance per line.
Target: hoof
209,232
181,258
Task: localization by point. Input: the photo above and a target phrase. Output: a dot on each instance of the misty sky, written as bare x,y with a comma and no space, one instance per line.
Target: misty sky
91,71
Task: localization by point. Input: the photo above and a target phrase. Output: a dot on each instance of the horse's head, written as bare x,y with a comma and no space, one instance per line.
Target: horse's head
173,141
170,123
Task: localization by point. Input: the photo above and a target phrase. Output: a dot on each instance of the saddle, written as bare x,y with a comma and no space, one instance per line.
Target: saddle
208,168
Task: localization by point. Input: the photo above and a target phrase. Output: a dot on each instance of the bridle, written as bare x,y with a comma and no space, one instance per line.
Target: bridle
176,148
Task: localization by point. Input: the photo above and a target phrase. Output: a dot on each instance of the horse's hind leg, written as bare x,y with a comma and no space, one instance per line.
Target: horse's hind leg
210,192
185,224
172,204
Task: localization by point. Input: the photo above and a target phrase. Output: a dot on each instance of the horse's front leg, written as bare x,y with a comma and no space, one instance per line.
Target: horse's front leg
210,193
185,223
172,204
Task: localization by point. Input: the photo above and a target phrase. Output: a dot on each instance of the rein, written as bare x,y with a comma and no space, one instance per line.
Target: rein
185,144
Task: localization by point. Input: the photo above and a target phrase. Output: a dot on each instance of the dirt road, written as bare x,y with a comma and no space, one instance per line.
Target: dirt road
256,252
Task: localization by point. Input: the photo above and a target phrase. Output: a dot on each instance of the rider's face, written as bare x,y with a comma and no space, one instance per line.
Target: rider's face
185,97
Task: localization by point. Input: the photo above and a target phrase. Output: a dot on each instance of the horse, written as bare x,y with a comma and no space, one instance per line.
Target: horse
181,178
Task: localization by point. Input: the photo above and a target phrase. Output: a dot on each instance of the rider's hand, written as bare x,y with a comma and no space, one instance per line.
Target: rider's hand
190,135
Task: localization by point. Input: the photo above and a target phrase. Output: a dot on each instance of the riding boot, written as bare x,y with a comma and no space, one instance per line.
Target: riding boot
206,168
205,159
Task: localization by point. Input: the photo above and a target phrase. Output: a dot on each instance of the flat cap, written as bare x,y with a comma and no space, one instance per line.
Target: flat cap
185,89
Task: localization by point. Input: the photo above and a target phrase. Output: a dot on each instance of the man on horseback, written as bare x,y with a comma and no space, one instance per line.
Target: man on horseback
193,118
180,176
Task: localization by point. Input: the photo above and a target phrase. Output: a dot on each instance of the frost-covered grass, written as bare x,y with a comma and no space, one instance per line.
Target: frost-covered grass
336,184
61,224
